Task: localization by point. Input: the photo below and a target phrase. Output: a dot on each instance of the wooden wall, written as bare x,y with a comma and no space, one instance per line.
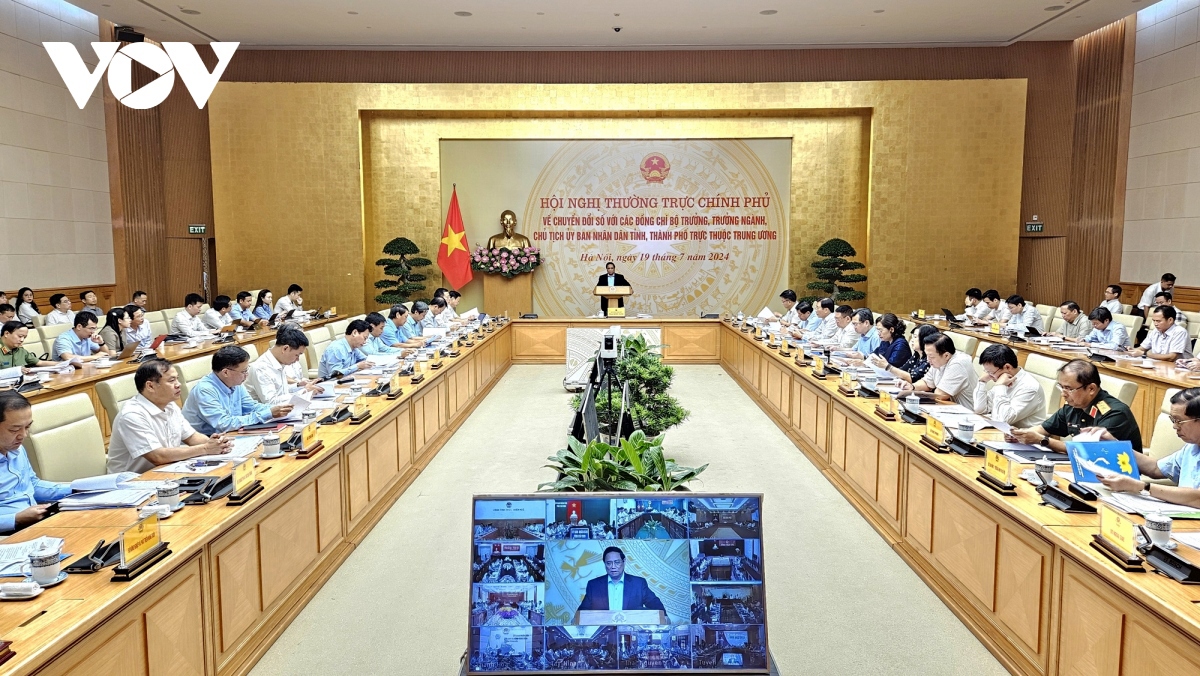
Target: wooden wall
1056,138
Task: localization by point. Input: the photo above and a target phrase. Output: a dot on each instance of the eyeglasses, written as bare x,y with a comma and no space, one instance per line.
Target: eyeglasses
1177,422
1069,390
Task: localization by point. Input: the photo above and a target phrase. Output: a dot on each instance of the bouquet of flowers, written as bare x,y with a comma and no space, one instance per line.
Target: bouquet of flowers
505,261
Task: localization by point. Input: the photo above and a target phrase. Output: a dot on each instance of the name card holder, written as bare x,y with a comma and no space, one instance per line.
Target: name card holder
141,547
818,371
310,445
436,362
416,378
245,483
935,436
394,391
886,408
1115,540
846,385
360,412
866,393
997,473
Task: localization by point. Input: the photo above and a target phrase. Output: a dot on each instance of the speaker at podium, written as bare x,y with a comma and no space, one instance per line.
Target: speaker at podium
612,288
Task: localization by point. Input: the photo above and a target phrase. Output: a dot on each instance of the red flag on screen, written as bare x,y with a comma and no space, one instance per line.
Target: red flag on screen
454,256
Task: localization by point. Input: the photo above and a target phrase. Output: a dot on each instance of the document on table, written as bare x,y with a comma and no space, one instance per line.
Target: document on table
300,403
128,497
1137,504
105,482
473,313
13,556
1190,539
326,390
766,314
242,447
195,466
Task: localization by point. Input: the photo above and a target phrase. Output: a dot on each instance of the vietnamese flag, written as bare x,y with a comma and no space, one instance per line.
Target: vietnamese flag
453,256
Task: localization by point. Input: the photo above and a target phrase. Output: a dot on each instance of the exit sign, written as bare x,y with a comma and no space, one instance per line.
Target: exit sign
1035,227
197,229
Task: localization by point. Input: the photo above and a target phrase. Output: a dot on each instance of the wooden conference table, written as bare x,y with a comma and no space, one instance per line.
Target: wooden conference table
1020,575
238,575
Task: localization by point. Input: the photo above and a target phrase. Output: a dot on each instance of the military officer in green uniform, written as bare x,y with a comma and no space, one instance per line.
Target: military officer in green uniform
1088,405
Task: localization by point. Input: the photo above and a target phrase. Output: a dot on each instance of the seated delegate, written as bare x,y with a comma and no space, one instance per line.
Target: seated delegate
1112,299
218,402
150,430
187,322
23,496
866,337
1088,405
1168,341
262,305
375,343
917,365
218,316
951,375
1023,314
1181,467
345,355
139,329
62,312
1015,396
396,333
242,311
81,342
12,354
893,349
1106,332
116,321
1076,325
278,373
292,301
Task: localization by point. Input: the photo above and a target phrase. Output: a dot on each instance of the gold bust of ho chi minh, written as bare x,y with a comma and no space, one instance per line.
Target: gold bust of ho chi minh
509,239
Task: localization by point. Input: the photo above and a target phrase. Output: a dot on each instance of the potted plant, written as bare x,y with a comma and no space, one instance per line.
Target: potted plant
832,271
635,464
654,411
407,282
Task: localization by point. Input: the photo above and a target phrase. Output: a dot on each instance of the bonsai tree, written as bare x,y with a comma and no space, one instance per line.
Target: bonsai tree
831,270
401,267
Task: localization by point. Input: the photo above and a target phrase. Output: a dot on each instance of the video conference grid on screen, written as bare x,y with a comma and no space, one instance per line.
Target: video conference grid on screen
617,583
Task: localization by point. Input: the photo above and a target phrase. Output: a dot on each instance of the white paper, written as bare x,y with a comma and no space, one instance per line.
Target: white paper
16,555
1137,504
326,392
767,314
471,314
323,405
1190,539
937,410
117,499
106,482
187,467
10,374
300,402
1088,436
62,368
381,360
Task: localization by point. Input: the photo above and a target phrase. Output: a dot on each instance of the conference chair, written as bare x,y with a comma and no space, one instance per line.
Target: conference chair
407,305
1048,313
1056,325
983,345
190,372
65,442
203,308
159,328
155,316
1120,388
1193,323
114,392
1132,325
1045,370
38,322
338,328
963,342
169,314
51,333
251,350
1165,441
318,340
1126,308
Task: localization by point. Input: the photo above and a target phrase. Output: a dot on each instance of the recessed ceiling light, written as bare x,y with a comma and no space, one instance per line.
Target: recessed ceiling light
879,11
352,12
190,11
462,14
1054,8
541,13
769,12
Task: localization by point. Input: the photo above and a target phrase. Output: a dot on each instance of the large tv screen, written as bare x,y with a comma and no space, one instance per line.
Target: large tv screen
617,582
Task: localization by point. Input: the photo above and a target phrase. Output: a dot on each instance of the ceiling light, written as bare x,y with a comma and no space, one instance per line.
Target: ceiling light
352,12
541,13
879,11
462,14
190,11
769,12
1054,8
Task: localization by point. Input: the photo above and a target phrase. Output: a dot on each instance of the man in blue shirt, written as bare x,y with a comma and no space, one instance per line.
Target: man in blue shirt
23,496
81,341
1106,332
219,402
345,355
416,320
868,337
375,343
242,312
396,332
1181,467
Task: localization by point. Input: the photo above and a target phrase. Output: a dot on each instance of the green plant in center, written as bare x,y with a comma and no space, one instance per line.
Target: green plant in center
832,270
637,464
402,267
648,379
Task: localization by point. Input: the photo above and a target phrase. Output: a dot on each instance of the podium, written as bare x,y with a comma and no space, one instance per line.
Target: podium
613,293
592,618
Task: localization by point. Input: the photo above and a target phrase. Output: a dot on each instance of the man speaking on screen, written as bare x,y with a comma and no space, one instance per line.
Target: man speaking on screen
618,591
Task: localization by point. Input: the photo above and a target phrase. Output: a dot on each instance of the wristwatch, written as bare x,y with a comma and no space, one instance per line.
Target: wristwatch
1046,440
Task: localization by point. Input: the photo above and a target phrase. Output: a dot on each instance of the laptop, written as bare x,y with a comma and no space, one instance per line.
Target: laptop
950,318
129,351
158,341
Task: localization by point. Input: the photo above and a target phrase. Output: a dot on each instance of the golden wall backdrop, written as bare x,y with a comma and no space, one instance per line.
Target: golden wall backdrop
924,177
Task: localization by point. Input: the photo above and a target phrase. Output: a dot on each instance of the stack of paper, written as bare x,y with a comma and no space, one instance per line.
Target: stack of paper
105,482
127,497
1137,504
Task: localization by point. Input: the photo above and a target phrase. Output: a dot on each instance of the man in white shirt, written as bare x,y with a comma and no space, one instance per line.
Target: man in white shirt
1166,283
1112,299
1076,325
278,373
217,317
847,336
150,429
62,312
951,375
990,309
1015,396
1167,341
187,322
974,304
829,327
788,299
453,298
1023,314
1168,299
139,329
437,315
292,301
